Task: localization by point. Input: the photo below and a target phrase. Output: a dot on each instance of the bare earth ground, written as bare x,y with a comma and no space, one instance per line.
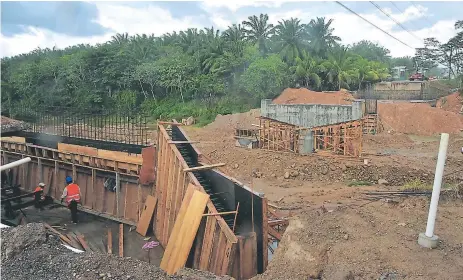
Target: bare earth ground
349,237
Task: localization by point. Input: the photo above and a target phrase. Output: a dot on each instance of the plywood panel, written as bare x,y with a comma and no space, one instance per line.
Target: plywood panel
147,215
76,149
13,139
120,156
184,231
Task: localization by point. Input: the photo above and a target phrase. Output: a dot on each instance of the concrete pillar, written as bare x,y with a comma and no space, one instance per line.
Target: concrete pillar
306,146
357,112
263,107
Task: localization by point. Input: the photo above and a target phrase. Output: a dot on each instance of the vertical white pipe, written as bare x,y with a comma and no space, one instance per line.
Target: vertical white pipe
14,163
444,141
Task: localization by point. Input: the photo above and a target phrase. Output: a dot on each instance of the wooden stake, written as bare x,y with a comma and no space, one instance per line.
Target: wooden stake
204,167
110,241
121,240
236,215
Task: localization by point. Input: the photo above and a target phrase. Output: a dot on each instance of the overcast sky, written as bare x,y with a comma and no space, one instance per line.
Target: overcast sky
28,25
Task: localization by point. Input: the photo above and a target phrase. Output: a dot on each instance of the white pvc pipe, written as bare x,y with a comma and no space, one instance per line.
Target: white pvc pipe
444,141
14,163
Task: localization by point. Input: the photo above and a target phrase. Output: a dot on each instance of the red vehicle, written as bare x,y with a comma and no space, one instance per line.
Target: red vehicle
417,77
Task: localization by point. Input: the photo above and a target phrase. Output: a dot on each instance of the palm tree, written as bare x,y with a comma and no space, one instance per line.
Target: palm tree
188,40
306,72
120,38
289,39
258,30
234,38
320,35
338,68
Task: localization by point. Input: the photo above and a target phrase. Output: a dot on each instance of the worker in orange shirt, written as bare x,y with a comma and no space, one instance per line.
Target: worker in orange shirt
39,196
72,195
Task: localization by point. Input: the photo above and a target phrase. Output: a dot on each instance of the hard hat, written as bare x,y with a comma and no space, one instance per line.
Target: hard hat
68,179
41,184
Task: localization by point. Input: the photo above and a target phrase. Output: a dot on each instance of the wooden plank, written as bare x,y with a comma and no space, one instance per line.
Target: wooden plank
248,256
169,193
76,149
220,213
120,156
170,123
110,241
121,240
206,248
204,167
184,232
274,233
147,214
82,242
63,237
74,241
183,142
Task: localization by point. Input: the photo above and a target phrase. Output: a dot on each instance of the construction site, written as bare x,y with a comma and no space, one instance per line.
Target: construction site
313,185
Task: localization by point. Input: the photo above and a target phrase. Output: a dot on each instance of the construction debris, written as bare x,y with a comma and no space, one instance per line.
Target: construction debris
27,253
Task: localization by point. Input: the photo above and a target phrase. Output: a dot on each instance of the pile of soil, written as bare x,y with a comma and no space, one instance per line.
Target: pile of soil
418,118
232,121
11,125
305,96
373,241
451,103
29,252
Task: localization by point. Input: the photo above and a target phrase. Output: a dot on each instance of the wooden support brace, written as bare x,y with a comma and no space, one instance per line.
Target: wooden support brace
278,222
63,237
236,215
121,240
274,233
183,142
220,214
204,167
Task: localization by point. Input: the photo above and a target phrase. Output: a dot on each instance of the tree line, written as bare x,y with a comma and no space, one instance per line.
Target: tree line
195,72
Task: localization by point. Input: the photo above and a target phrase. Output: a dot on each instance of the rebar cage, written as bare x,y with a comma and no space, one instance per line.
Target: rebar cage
128,127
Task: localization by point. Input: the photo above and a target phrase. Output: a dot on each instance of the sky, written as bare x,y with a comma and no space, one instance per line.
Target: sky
26,26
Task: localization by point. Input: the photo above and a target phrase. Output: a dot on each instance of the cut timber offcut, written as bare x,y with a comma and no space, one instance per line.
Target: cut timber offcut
146,215
184,230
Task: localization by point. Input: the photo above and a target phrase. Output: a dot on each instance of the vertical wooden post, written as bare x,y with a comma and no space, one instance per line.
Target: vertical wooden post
40,170
118,191
93,204
55,181
264,234
121,240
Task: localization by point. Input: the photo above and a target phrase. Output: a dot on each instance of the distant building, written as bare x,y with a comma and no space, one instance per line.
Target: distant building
398,73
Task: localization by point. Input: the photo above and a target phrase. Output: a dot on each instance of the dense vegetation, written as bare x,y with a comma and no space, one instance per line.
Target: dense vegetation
195,72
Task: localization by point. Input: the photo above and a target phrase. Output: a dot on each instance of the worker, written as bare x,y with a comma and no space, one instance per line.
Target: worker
39,196
72,195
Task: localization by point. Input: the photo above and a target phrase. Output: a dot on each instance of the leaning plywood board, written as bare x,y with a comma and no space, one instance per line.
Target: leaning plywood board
146,215
184,230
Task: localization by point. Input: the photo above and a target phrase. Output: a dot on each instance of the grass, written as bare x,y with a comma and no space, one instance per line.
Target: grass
417,185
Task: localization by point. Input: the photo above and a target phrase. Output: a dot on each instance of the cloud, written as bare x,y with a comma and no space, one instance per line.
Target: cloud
234,6
115,17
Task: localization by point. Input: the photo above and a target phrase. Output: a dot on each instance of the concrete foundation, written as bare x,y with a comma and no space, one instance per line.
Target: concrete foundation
310,115
428,242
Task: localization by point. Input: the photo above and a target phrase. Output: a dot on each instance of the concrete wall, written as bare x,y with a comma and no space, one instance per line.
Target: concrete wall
404,90
310,115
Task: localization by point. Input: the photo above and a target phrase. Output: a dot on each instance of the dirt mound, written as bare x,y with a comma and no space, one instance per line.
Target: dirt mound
305,96
418,118
232,121
375,241
11,125
451,103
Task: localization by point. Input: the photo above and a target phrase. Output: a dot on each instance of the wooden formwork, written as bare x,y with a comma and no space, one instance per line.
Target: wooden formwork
217,243
216,252
279,136
91,172
341,138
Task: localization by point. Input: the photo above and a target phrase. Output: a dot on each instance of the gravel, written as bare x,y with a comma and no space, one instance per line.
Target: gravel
30,252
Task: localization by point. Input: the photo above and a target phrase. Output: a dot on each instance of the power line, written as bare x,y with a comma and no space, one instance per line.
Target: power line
400,11
373,25
398,23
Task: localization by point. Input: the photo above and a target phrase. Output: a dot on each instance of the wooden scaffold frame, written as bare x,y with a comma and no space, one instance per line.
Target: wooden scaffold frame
279,136
341,138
